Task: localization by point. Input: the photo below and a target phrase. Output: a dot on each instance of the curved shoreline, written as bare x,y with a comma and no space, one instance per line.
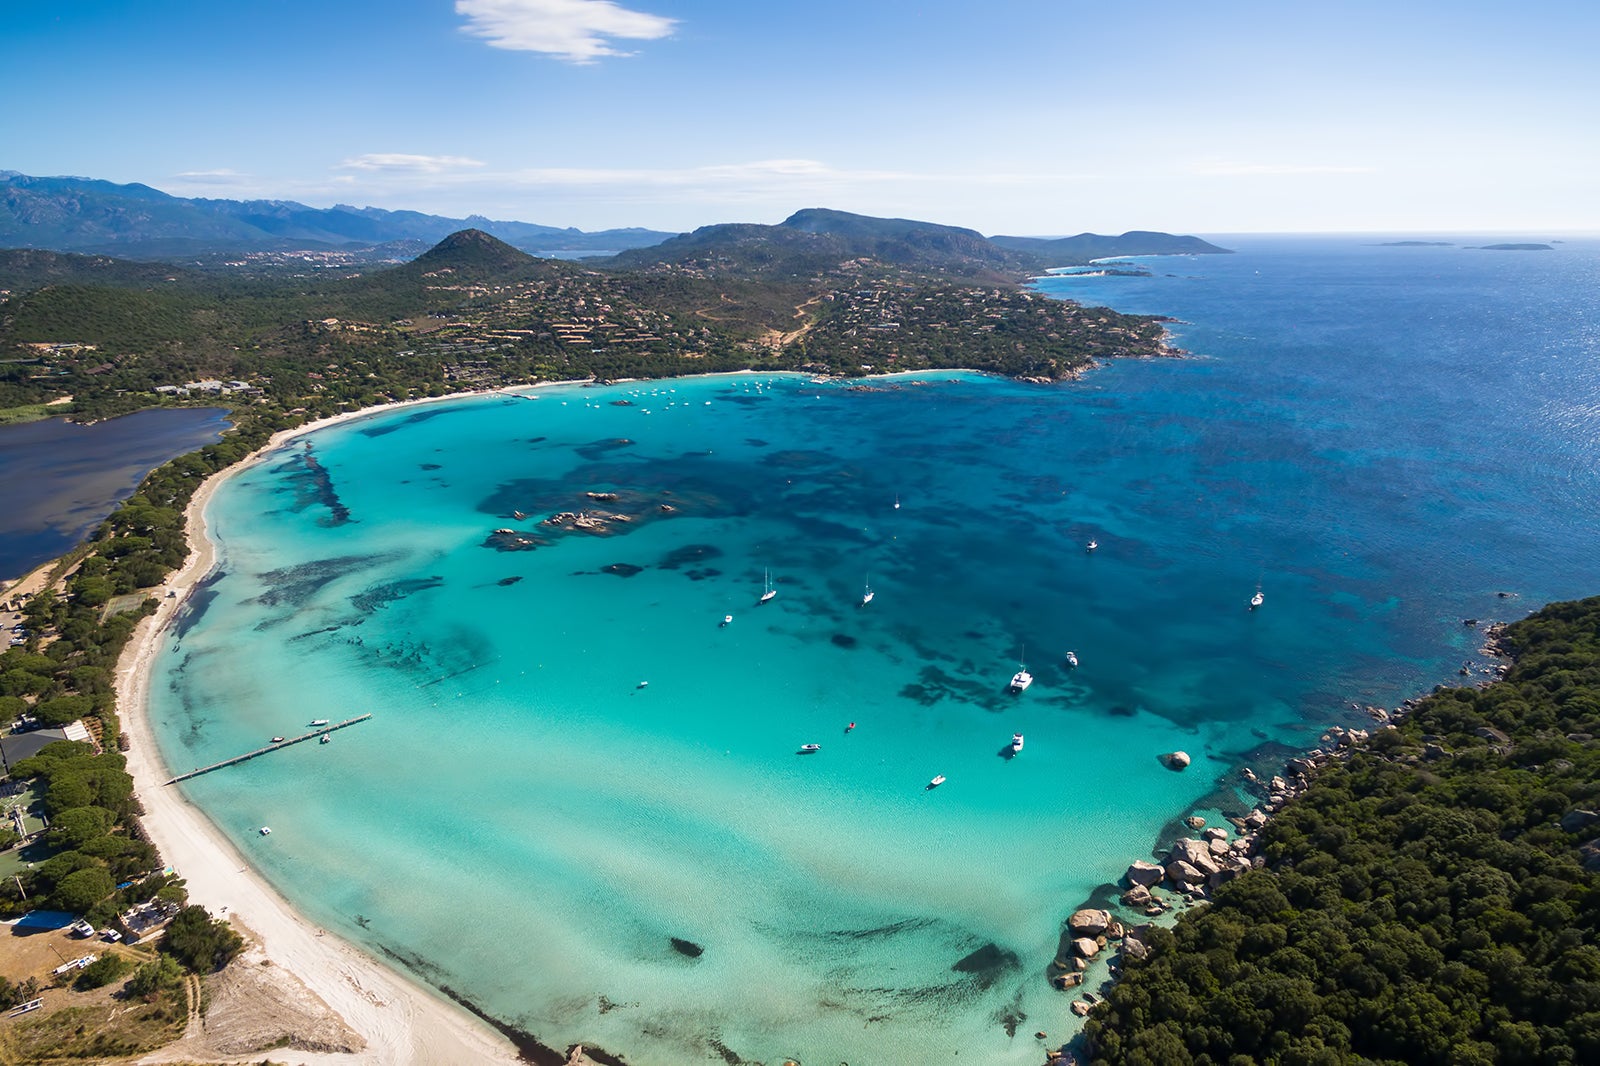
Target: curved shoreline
402,1021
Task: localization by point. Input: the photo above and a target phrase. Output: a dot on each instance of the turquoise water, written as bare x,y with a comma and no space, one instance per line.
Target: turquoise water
524,822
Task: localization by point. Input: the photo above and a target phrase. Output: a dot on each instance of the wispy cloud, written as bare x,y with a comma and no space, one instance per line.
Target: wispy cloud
579,31
758,172
211,177
402,163
1271,170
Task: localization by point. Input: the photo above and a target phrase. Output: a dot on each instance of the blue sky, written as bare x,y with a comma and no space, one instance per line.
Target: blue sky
1011,116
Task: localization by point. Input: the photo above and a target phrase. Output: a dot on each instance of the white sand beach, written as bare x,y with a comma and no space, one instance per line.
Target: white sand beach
401,1022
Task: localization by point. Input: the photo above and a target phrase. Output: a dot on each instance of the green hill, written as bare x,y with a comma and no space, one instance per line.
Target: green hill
1434,898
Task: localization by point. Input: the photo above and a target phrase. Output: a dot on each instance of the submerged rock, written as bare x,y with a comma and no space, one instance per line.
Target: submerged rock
687,947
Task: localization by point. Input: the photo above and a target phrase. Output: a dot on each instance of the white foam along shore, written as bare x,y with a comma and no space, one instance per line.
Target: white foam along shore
402,1021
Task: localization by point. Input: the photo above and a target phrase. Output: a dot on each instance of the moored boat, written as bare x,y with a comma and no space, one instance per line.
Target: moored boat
809,749
1016,743
767,591
1072,658
936,782
319,721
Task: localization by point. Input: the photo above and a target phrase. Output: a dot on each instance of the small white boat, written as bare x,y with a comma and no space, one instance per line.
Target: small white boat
1021,679
1257,600
644,684
808,749
265,830
277,740
726,619
319,721
1093,544
1072,659
866,597
767,591
1016,743
897,501
325,738
936,782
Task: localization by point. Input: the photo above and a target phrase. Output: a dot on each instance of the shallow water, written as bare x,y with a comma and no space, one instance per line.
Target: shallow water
526,823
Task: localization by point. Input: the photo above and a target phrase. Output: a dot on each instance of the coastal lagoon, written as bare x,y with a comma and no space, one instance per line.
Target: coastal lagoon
59,479
580,802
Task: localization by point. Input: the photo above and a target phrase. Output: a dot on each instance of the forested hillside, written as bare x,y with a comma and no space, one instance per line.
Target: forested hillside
1430,900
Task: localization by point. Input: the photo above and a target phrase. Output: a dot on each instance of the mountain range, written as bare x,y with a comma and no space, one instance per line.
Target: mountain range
135,221
68,214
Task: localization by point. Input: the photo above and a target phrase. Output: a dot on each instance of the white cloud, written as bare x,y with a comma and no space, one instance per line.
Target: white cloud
578,31
1271,170
223,176
401,163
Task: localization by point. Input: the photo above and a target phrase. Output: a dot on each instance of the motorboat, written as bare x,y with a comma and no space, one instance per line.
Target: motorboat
1016,743
325,738
866,597
319,721
1092,545
277,740
726,619
767,591
1257,600
810,749
265,830
1072,659
936,782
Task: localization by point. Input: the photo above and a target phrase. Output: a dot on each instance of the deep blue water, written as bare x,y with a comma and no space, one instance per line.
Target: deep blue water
1382,440
59,479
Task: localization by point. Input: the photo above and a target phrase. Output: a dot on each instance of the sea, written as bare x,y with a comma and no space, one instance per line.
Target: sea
60,479
581,801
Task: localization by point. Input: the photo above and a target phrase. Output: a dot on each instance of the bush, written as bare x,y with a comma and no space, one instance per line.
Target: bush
200,942
102,971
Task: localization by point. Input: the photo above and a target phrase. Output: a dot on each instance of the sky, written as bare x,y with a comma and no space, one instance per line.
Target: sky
1035,117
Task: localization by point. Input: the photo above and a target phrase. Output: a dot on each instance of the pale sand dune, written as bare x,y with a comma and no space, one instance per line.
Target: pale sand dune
402,1022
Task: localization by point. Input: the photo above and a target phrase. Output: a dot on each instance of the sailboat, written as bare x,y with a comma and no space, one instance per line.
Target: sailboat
1021,679
866,597
767,591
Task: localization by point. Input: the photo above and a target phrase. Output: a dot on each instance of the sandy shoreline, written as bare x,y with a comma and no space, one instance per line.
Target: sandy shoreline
401,1021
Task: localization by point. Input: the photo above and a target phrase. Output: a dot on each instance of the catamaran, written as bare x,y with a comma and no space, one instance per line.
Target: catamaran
1021,679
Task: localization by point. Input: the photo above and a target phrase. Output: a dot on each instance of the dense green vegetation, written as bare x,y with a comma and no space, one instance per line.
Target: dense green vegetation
1432,899
825,292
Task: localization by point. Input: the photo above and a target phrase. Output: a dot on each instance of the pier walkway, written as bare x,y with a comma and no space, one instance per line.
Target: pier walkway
321,730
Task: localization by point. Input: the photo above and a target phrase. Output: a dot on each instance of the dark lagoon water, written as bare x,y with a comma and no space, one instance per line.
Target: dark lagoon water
59,479
580,802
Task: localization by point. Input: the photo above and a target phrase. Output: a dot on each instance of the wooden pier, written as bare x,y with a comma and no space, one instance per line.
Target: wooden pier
319,731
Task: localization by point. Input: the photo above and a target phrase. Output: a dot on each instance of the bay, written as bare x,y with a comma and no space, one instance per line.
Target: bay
581,801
